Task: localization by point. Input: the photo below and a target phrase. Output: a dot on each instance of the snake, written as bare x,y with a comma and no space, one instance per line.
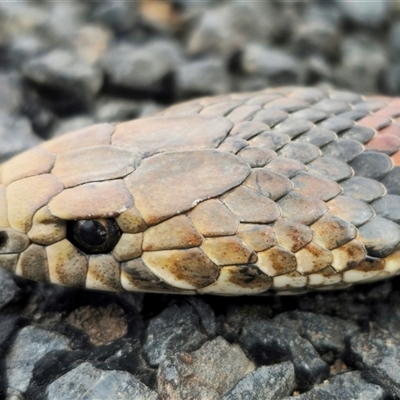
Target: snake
278,191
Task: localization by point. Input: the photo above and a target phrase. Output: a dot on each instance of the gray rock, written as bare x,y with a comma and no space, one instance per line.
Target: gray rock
378,352
275,65
120,16
65,71
175,329
349,385
10,92
28,46
224,30
65,18
15,135
30,345
316,35
86,382
72,124
363,60
365,13
22,17
9,290
325,333
268,383
116,110
269,343
391,79
150,109
205,374
202,77
141,67
394,42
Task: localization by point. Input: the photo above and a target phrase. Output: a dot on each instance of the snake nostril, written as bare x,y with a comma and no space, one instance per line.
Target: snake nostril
3,239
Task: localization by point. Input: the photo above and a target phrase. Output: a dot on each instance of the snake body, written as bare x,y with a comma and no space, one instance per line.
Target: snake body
283,190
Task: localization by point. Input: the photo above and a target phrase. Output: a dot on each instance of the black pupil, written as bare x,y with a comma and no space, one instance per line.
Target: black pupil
94,236
93,233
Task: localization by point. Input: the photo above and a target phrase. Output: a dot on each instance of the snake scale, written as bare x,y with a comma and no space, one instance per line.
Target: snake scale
281,191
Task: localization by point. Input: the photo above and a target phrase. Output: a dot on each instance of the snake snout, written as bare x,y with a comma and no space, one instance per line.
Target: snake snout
12,241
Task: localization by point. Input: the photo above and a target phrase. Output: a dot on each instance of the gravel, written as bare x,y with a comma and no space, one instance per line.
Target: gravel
66,65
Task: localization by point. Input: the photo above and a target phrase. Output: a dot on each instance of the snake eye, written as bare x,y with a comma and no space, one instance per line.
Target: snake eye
94,236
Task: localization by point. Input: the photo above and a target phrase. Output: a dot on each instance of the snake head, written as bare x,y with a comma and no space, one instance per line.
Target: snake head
93,208
196,200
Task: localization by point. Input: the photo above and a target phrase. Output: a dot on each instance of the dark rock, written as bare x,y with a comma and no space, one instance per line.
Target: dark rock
129,357
268,343
30,345
143,68
175,329
15,135
349,385
206,373
123,355
238,316
317,69
331,303
202,77
66,72
9,324
9,290
387,315
326,334
267,383
208,321
50,367
378,353
98,384
275,65
36,109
